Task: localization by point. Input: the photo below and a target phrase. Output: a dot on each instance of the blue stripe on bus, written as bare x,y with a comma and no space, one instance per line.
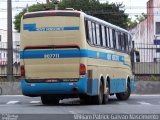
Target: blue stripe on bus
38,54
32,28
29,27
71,28
41,53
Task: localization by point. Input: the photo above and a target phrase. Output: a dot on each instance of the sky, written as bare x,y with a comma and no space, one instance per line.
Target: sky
133,7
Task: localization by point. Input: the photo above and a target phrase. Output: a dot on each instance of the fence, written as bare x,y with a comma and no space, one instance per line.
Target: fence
149,59
3,59
149,66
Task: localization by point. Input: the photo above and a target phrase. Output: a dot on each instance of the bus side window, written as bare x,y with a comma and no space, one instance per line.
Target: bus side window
122,42
98,35
108,38
129,43
117,45
100,30
104,37
114,38
94,33
119,41
90,32
125,42
87,30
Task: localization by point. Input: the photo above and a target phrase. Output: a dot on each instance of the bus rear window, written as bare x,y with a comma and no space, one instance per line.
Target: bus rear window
46,14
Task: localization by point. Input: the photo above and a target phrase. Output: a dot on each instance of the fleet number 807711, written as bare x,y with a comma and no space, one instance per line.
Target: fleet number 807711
51,55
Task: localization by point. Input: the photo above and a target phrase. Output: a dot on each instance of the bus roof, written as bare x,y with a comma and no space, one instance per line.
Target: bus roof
52,13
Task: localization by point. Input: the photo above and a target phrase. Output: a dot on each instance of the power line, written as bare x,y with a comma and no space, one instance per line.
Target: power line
22,1
134,7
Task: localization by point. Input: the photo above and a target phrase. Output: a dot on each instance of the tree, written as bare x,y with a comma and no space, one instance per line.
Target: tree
141,18
109,12
131,23
138,19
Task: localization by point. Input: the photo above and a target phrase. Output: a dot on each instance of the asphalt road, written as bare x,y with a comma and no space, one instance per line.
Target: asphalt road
137,104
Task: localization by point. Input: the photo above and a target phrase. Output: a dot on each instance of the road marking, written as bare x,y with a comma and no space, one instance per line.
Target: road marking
12,95
72,112
144,103
34,102
12,102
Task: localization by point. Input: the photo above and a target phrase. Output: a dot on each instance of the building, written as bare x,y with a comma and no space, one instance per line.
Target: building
147,33
3,52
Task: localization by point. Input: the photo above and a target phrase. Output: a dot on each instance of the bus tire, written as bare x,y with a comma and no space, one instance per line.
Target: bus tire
106,96
1,91
49,100
99,98
124,95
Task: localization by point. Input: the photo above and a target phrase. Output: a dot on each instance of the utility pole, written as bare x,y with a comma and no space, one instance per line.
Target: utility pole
47,2
56,4
47,5
27,8
9,41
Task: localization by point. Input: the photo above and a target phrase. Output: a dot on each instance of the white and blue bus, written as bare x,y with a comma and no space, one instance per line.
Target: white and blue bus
67,53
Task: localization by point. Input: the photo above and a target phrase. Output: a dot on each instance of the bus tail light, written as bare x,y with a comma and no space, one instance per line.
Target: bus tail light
82,69
22,71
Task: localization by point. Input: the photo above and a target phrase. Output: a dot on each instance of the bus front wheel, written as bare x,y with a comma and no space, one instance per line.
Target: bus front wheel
124,95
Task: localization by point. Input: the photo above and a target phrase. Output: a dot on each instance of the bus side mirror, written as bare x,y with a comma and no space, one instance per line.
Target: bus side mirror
137,56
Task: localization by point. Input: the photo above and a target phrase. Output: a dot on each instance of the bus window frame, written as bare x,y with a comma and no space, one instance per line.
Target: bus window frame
104,37
93,33
98,41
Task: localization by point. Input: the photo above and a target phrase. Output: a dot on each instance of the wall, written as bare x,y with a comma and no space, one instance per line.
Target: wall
147,68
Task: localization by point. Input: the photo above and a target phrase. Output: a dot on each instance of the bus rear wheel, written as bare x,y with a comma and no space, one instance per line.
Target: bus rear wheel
106,95
124,95
99,98
49,100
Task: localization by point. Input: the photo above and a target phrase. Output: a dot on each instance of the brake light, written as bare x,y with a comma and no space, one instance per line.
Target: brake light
82,69
22,71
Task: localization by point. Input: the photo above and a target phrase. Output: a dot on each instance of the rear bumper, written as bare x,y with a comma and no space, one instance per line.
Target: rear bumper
37,89
83,86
